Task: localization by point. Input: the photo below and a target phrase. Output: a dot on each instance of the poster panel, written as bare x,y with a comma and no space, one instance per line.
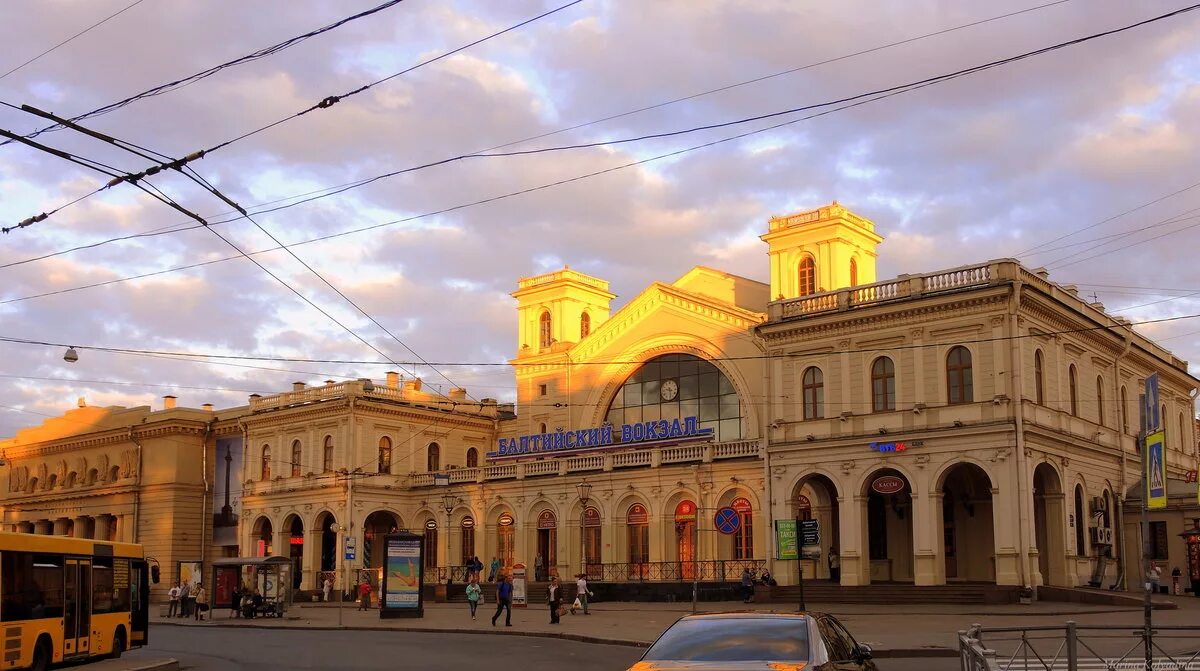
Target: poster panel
785,540
520,598
402,576
190,574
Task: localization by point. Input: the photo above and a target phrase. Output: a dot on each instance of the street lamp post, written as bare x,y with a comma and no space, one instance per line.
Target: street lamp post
449,501
585,492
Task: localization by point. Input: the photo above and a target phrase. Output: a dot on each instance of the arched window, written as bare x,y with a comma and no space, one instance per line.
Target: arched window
1124,410
1074,388
743,539
542,428
585,325
434,459
1039,377
385,455
814,393
472,457
677,386
959,386
1184,434
265,466
467,526
1100,399
327,456
806,280
544,330
853,272
637,524
296,450
1080,522
883,385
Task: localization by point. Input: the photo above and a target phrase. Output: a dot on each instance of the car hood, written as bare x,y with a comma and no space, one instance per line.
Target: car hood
666,665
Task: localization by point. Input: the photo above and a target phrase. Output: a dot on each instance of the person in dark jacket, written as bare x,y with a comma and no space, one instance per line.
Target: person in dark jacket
555,599
504,592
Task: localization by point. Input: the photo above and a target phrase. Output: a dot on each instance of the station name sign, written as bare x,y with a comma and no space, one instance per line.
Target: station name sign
604,436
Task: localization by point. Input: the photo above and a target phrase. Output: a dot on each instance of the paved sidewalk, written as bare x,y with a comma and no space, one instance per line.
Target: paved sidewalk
893,631
135,660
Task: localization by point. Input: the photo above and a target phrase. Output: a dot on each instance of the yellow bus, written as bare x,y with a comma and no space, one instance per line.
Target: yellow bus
70,599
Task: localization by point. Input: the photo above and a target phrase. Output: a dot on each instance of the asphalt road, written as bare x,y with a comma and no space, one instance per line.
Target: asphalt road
204,649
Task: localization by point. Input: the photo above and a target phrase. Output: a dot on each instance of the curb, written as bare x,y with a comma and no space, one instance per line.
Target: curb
895,653
158,665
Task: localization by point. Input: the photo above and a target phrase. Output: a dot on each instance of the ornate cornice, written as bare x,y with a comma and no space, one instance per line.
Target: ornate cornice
850,323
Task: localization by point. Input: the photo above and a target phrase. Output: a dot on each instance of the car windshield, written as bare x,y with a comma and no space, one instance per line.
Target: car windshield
743,639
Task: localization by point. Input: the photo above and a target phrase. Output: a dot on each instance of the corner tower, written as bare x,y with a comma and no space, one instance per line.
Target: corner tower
825,249
558,309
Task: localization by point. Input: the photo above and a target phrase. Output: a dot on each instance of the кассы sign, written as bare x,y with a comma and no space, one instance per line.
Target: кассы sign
888,484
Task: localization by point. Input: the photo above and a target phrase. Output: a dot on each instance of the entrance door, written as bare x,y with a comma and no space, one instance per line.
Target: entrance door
505,545
140,604
685,542
547,542
77,607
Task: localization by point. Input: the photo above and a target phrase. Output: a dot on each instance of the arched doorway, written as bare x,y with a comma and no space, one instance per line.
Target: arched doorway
466,540
505,537
547,545
591,542
327,523
377,525
815,498
685,538
968,528
295,529
263,536
431,546
637,540
1048,516
889,529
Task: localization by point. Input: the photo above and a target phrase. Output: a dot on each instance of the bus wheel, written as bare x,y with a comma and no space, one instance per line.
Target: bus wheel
41,656
118,645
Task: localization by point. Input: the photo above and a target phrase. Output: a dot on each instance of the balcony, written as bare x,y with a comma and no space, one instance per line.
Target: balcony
341,390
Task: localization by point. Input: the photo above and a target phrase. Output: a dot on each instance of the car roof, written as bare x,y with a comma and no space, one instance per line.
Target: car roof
751,614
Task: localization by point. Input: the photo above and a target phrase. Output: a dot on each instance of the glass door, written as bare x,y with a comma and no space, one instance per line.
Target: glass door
77,607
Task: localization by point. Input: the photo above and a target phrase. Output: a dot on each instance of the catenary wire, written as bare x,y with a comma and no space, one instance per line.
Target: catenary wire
76,35
193,356
867,96
208,72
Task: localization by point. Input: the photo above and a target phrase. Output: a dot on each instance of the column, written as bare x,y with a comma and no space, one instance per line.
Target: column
25,527
855,562
43,527
60,527
82,527
103,523
125,530
926,538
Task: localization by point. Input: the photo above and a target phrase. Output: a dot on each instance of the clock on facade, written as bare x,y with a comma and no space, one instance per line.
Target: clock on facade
670,389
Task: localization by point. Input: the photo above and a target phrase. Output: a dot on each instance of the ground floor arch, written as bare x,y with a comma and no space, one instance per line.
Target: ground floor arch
377,525
326,527
815,498
293,527
263,535
1049,514
887,536
966,524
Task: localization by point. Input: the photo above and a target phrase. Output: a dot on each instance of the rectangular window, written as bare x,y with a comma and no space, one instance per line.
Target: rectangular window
110,585
542,390
32,586
743,540
1158,541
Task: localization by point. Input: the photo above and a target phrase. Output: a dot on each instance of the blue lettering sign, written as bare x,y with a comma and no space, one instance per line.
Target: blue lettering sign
604,436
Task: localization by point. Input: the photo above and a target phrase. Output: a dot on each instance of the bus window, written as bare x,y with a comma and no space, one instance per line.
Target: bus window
32,586
110,585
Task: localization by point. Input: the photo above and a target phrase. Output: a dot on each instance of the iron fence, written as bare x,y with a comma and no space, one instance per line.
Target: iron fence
1074,647
713,570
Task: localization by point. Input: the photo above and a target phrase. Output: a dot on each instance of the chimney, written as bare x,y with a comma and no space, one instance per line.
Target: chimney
330,381
297,386
82,402
413,385
168,402
207,407
255,397
393,380
458,394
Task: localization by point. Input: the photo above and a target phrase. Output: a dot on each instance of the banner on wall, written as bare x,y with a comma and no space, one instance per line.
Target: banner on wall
191,574
1156,471
785,540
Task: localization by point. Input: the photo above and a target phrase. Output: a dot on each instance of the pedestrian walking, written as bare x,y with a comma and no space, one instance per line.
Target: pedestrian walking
581,594
474,592
539,563
835,566
555,591
477,567
236,603
327,588
747,586
173,600
504,601
1153,577
495,568
185,599
201,598
364,595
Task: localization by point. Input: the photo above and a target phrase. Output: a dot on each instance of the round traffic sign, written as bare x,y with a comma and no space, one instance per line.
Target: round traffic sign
727,521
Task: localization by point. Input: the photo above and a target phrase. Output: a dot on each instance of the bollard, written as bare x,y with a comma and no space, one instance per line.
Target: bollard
1072,647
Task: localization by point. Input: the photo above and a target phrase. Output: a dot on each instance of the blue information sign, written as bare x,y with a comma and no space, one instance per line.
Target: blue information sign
727,521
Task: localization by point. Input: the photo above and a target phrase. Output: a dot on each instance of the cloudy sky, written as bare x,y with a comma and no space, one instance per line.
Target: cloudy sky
1002,163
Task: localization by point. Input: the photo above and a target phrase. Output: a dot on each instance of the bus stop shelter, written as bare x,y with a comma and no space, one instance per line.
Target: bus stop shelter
271,576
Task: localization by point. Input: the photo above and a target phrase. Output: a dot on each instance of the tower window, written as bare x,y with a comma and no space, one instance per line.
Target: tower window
814,393
853,272
807,277
434,458
585,325
544,330
1074,390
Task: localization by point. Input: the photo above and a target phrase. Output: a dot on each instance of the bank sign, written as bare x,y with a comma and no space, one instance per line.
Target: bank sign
642,433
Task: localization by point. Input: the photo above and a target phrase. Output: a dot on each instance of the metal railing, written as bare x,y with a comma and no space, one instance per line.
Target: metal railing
1074,647
712,570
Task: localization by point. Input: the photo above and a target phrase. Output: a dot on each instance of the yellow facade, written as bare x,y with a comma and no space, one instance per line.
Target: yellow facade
717,391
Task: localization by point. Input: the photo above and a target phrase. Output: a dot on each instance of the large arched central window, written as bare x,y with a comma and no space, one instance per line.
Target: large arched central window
675,386
806,277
